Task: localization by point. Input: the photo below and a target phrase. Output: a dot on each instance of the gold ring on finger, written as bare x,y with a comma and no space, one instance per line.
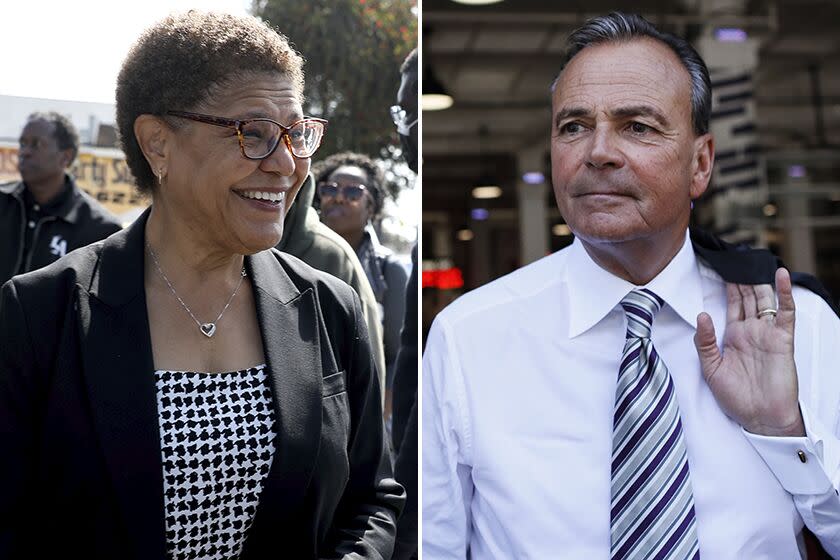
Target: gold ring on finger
766,312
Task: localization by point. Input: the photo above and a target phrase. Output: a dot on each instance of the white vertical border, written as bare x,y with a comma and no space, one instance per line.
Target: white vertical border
419,272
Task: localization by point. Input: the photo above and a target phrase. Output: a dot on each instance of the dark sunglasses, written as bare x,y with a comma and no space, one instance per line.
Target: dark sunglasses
349,192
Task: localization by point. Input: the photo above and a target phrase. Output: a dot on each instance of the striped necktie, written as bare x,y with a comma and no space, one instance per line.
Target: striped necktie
652,507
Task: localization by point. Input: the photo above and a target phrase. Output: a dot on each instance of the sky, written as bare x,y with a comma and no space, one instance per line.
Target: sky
60,49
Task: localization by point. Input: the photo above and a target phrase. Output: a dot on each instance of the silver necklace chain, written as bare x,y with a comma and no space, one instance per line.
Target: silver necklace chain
207,329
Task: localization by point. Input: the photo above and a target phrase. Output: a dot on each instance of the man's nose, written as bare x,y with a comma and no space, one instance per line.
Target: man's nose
603,149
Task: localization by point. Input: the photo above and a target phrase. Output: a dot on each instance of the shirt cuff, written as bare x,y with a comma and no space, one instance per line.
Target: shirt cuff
796,462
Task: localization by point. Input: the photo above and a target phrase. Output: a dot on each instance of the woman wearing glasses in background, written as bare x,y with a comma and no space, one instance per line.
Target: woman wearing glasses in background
179,390
351,191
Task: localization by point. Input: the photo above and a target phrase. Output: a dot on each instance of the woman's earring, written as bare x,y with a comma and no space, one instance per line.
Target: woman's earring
160,177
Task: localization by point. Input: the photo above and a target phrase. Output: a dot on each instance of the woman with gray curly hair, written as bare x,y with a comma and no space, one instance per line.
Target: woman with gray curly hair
181,390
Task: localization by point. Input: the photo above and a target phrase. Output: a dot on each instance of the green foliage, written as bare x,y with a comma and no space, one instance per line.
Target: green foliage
353,51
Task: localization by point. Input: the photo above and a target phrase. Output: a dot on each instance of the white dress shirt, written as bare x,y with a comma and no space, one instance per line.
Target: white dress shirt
519,382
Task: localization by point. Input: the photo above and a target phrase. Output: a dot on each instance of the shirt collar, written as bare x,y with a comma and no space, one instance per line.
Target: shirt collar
63,205
594,292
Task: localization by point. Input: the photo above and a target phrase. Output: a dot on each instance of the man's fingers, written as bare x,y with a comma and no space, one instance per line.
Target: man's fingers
765,298
784,292
748,299
706,345
734,307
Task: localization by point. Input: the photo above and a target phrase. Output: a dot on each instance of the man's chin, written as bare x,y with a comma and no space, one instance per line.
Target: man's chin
28,176
608,232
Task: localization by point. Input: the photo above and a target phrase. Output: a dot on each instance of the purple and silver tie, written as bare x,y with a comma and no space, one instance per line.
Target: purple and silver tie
652,507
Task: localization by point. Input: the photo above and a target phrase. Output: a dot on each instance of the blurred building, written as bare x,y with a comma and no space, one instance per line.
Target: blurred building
775,68
85,115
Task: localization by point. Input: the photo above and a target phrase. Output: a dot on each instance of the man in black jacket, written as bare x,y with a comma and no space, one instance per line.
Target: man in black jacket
45,216
404,426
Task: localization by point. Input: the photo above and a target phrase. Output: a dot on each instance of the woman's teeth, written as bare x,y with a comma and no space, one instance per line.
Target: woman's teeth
263,195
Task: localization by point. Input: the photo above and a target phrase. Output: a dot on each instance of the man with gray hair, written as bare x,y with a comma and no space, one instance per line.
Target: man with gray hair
45,215
637,395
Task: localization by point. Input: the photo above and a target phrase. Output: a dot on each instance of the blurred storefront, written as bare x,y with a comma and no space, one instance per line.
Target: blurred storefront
101,172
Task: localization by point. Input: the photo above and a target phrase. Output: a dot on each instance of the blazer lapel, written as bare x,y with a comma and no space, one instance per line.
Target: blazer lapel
291,340
118,368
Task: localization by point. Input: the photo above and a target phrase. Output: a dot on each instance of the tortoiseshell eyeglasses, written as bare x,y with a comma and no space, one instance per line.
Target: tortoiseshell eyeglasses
258,138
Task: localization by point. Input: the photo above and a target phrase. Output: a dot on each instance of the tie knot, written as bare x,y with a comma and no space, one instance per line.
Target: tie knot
640,307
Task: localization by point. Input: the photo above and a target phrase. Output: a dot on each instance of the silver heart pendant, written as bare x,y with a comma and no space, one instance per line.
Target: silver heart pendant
208,329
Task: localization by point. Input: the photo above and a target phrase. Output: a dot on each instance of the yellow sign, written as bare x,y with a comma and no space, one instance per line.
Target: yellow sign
101,172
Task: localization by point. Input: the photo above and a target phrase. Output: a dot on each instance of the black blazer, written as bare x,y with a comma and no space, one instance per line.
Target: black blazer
80,459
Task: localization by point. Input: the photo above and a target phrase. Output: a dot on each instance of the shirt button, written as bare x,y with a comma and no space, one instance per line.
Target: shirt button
802,456
31,224
36,207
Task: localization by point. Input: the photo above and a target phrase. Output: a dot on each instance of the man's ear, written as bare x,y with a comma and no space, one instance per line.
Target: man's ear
702,164
67,157
154,137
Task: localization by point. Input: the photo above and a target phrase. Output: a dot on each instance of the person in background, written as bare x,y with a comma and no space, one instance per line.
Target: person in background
46,215
638,394
351,188
310,240
404,435
182,390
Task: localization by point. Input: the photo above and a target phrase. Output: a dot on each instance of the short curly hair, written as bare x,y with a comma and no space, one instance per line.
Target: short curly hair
179,62
66,135
376,177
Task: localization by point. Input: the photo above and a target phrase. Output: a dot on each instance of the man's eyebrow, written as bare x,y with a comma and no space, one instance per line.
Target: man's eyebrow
570,112
640,111
620,113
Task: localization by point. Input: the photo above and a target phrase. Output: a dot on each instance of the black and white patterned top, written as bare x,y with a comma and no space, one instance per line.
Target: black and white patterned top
217,443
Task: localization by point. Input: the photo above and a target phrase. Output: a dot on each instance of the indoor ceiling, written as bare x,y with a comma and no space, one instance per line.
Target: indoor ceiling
497,61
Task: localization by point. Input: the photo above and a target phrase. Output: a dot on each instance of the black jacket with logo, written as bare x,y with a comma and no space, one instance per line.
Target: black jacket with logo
78,221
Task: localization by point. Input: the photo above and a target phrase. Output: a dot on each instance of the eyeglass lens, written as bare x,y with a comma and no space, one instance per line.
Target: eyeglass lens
260,138
349,192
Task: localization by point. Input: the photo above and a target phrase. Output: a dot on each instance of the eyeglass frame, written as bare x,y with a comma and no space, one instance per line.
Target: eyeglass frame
237,126
341,189
400,122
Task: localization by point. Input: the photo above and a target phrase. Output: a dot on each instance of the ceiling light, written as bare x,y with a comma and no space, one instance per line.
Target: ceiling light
561,230
436,102
730,35
465,235
533,178
796,171
487,191
435,97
